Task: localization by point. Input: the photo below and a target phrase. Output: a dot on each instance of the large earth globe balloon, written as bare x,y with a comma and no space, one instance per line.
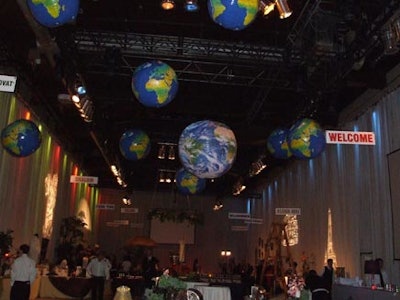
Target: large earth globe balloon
189,184
277,143
306,139
207,149
53,13
21,138
134,144
233,14
154,84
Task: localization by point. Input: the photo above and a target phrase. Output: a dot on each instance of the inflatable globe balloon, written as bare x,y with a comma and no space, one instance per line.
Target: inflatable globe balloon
21,138
277,144
233,14
134,144
154,84
188,184
54,13
207,149
306,139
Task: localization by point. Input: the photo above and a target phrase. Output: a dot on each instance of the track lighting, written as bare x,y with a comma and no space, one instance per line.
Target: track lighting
191,5
283,9
266,7
167,4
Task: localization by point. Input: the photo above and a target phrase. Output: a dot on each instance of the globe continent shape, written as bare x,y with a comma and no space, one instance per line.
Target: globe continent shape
154,84
306,139
233,14
277,144
134,144
207,149
21,138
54,13
189,184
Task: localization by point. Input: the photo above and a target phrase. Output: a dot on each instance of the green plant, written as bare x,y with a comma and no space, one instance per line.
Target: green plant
167,287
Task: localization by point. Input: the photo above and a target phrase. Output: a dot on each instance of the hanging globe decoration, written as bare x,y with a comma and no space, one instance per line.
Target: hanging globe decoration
54,13
233,14
21,138
207,149
188,184
154,84
277,144
134,144
306,139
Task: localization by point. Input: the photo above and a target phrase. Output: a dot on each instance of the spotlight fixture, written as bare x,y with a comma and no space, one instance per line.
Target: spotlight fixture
161,152
167,4
171,152
126,200
283,9
191,5
389,39
238,187
266,7
217,206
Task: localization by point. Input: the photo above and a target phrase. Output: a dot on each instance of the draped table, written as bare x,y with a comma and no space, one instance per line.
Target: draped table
5,288
65,287
214,292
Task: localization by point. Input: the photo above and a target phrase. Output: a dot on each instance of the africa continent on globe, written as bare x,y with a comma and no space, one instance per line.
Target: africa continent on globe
134,144
233,14
306,139
207,149
53,13
188,184
277,144
154,84
21,138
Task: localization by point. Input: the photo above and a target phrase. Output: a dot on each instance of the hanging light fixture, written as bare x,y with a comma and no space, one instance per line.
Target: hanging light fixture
191,5
389,39
171,152
283,9
266,7
167,4
161,151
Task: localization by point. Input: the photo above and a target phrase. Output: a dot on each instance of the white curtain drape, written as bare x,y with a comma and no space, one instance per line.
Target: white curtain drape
352,181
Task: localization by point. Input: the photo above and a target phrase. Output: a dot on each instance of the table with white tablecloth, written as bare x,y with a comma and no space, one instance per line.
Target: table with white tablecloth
192,284
214,292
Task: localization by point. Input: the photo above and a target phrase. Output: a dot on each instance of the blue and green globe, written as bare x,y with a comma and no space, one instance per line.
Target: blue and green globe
21,138
134,144
53,13
233,14
154,84
188,184
207,149
277,144
306,139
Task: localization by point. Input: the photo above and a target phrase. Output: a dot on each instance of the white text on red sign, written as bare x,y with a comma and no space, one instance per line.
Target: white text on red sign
350,137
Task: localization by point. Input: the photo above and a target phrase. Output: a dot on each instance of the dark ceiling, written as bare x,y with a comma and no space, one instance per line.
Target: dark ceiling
312,64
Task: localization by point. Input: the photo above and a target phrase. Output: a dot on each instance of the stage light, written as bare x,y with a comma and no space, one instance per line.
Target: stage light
167,4
266,7
283,9
191,5
171,152
389,39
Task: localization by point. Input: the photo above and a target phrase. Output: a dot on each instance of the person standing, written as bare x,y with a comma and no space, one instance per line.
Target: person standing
23,274
99,269
328,274
150,268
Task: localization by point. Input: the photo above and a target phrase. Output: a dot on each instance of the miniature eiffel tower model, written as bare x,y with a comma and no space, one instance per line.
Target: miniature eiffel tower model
330,252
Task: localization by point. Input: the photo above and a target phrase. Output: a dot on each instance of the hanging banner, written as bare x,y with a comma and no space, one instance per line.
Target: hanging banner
105,206
239,216
84,179
8,83
350,137
287,211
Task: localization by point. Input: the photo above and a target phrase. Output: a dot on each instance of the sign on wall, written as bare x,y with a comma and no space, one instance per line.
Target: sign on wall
84,179
349,137
283,211
8,83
